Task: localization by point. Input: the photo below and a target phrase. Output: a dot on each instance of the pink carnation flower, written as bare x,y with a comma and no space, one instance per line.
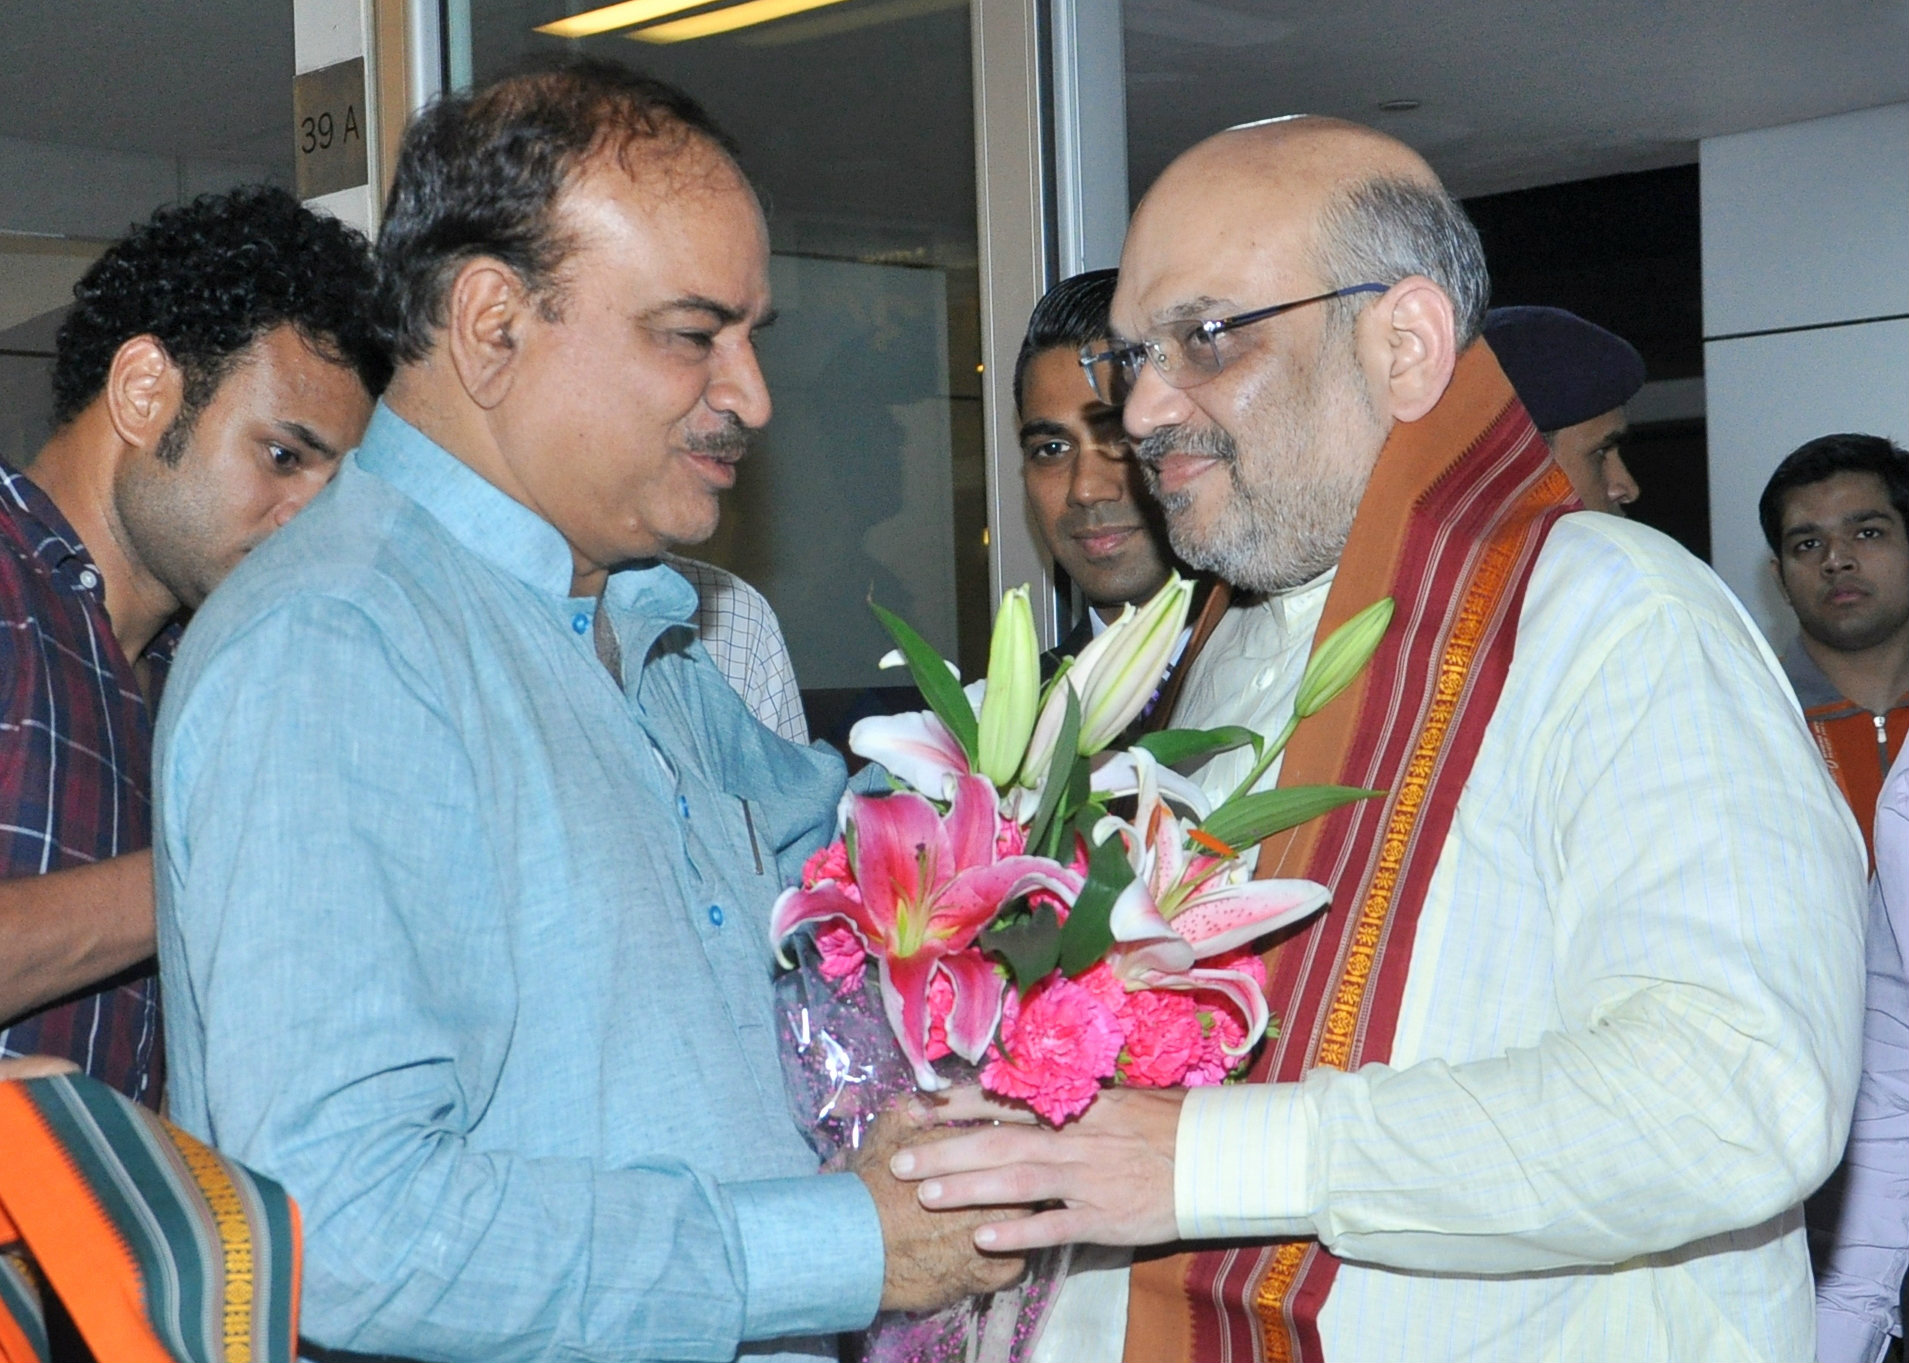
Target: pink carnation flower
1100,981
827,863
1223,1028
1164,1037
1246,961
1010,839
1056,1047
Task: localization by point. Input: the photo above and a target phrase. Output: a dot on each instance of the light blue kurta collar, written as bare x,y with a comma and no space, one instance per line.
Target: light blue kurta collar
501,530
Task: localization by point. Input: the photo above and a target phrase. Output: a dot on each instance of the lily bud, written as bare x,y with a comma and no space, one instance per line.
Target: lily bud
1335,663
1118,673
1014,684
1047,729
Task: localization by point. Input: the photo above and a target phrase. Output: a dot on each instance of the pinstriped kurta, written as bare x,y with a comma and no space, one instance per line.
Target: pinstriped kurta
1628,1040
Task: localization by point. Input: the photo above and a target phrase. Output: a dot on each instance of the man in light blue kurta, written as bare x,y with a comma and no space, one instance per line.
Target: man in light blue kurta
465,943
465,848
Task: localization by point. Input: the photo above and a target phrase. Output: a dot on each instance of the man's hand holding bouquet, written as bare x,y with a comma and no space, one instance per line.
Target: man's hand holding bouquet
1033,909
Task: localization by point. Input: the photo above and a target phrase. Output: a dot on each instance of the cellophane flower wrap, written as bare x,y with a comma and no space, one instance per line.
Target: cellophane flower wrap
1031,910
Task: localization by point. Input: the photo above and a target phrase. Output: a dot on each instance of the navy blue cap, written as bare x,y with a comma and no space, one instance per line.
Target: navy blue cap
1565,369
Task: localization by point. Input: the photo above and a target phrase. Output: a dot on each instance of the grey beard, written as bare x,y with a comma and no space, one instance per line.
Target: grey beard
1269,536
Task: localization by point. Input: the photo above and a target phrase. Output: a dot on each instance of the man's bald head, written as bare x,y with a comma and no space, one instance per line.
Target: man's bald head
1359,281
1347,201
1304,150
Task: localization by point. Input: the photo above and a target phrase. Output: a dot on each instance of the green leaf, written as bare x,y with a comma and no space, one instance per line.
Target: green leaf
1060,770
1088,933
1245,819
1031,946
1169,746
1060,675
1080,787
937,684
1077,813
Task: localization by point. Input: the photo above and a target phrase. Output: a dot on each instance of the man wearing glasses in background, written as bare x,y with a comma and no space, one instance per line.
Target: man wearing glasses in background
1577,1031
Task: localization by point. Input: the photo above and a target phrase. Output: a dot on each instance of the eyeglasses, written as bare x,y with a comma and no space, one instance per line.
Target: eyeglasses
1186,354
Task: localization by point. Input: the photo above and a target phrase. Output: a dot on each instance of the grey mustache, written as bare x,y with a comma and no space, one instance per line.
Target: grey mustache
732,440
1207,443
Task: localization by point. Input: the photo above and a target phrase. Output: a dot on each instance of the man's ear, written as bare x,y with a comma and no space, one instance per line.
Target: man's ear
1782,587
489,308
1408,345
143,393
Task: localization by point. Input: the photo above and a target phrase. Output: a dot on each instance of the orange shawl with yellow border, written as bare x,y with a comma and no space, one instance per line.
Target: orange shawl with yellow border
159,1249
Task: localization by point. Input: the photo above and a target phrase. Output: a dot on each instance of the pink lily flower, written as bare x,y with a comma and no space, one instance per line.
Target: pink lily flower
928,884
1185,906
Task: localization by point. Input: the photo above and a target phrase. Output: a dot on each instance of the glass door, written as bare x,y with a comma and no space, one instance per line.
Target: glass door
856,122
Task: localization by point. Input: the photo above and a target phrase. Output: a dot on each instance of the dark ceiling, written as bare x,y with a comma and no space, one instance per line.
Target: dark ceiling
1512,94
201,79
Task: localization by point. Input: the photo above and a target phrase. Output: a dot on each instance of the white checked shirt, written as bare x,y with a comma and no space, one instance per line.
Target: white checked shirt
1628,1044
744,639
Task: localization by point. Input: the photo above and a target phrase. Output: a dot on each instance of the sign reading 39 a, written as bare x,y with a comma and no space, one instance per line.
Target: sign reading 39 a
328,129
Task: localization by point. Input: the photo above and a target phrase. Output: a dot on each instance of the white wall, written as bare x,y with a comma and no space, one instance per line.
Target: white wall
1806,312
847,494
55,190
324,33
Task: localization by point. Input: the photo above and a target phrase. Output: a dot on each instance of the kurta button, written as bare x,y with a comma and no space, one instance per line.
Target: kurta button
580,623
716,914
682,803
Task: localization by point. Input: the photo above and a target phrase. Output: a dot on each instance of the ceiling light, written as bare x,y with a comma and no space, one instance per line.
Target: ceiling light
602,20
1398,106
727,20
851,21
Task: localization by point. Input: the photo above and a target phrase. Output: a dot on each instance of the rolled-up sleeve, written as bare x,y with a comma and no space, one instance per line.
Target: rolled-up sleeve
333,937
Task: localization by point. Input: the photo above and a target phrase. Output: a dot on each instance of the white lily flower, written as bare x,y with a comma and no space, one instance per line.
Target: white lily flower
1186,903
1125,676
1119,773
1047,729
1114,676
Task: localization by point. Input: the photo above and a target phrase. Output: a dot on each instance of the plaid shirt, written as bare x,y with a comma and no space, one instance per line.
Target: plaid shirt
744,639
75,769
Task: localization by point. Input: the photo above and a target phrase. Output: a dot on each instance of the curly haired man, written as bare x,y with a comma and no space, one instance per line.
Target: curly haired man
214,368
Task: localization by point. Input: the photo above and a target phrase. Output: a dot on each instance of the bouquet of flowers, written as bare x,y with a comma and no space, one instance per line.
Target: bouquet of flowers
1000,907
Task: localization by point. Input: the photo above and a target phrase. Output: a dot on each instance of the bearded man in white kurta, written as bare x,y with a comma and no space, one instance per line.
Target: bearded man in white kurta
1579,1030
